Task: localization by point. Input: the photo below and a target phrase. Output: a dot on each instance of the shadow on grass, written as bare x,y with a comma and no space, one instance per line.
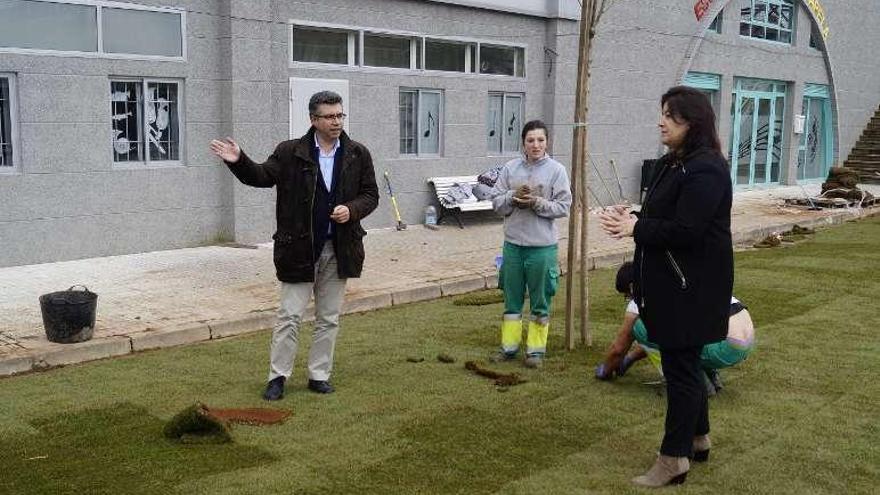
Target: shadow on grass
469,450
80,452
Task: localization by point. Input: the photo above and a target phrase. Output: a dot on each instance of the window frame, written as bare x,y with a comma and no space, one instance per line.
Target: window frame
417,52
717,24
710,84
816,41
416,48
766,25
517,59
145,162
470,54
419,130
15,166
353,43
522,108
100,53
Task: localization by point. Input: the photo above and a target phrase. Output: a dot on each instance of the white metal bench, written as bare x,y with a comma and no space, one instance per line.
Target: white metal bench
442,185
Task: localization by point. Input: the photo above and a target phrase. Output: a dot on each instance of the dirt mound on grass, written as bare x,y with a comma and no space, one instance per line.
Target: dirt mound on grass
195,424
843,183
501,379
199,423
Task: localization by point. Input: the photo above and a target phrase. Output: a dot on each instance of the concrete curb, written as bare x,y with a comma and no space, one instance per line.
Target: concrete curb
367,303
415,293
41,359
15,365
248,324
462,285
169,337
85,351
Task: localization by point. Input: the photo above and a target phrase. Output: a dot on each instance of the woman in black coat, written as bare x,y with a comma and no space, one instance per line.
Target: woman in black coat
684,270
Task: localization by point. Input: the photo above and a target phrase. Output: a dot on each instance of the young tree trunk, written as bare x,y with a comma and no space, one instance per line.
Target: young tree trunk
578,231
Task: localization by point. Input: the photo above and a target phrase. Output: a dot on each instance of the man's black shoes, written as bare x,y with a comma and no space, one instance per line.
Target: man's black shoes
320,386
274,389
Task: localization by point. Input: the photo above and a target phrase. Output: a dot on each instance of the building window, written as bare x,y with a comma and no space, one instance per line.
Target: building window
708,84
449,56
421,121
360,47
322,46
7,120
771,20
814,38
48,26
504,122
37,25
715,27
390,51
146,121
141,32
502,60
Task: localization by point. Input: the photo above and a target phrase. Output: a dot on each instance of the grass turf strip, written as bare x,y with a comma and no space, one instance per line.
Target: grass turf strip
799,416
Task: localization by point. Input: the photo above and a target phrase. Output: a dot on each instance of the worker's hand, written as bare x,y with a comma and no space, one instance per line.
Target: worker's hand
340,214
603,372
524,202
227,149
522,191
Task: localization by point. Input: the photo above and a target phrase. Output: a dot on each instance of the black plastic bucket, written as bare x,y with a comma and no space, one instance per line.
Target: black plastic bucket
69,315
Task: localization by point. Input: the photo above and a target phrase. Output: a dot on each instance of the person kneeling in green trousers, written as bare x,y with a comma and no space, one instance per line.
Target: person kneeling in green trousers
713,357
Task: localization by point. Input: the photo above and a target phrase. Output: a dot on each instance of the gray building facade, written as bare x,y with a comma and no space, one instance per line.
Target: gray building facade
108,107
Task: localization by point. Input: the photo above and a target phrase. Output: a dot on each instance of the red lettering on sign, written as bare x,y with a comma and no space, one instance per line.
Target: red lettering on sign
701,7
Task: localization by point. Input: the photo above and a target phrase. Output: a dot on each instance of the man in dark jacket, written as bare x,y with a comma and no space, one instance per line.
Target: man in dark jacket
325,185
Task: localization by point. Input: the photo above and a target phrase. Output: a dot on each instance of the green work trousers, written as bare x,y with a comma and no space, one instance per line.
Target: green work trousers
535,269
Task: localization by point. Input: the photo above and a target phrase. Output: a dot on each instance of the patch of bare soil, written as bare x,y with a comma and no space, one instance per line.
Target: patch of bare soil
253,416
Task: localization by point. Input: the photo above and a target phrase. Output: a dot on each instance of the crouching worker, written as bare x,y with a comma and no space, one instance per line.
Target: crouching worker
713,357
531,192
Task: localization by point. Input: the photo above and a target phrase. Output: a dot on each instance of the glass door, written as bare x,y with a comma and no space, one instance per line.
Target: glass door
814,151
756,145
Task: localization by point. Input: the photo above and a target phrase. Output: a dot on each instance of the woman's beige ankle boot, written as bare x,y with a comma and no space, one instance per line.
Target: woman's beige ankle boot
665,471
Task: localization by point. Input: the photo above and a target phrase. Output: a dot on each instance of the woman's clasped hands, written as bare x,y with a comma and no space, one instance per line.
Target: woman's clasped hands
617,221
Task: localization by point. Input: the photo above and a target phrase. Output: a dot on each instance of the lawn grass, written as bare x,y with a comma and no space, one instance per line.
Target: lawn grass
800,416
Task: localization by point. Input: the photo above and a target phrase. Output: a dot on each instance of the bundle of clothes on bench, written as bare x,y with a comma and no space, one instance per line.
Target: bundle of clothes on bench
461,193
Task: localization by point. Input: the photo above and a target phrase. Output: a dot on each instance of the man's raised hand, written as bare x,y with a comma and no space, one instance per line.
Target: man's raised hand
227,149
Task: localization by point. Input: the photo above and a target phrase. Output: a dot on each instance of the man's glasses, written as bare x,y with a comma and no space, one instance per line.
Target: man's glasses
335,116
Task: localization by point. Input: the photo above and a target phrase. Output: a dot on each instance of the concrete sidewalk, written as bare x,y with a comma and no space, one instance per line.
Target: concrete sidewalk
169,298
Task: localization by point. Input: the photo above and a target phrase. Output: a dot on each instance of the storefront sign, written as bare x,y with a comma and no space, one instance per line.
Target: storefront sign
816,7
701,7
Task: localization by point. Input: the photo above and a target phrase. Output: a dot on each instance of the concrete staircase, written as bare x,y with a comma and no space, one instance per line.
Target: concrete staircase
865,155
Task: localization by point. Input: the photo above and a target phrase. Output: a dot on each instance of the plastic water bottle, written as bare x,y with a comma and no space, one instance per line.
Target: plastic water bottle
430,215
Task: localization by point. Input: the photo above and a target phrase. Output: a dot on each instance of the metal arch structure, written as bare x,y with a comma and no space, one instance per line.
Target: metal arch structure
718,5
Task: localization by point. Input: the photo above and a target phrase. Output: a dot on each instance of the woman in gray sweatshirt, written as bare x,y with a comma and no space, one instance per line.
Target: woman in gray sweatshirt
531,192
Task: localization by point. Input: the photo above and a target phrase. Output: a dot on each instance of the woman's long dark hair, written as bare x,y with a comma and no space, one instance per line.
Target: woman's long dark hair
693,107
